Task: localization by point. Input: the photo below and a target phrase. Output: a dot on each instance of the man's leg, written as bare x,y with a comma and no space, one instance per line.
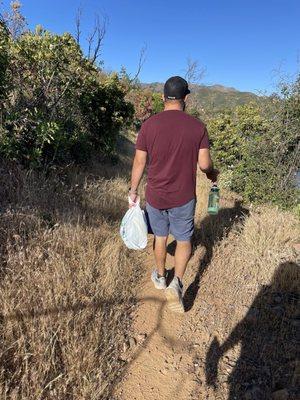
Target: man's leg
182,255
174,292
160,253
159,223
182,228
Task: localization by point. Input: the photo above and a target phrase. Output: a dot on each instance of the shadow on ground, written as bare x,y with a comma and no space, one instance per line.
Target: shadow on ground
179,345
267,334
212,230
269,357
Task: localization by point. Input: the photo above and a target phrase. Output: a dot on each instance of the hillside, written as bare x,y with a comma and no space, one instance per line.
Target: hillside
213,96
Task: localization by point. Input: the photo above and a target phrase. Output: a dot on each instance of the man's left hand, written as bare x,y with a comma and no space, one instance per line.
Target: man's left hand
213,175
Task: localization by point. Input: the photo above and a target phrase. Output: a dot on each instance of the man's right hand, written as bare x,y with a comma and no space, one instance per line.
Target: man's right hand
132,199
213,175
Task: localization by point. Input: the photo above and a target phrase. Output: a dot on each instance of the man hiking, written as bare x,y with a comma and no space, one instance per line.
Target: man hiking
172,143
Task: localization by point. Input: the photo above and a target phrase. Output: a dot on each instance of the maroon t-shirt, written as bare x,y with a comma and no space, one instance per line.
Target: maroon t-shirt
172,140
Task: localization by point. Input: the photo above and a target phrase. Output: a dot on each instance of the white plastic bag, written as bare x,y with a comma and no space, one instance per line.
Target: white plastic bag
134,229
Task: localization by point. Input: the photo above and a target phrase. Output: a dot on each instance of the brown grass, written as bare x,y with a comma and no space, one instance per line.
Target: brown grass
66,283
245,298
68,288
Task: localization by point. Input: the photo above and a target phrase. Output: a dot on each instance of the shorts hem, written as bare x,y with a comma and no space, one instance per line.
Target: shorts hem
160,235
182,238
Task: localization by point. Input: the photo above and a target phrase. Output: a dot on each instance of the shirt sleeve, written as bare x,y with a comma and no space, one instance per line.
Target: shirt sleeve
141,139
204,144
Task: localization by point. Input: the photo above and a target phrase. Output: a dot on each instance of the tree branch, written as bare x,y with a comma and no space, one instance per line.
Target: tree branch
78,24
194,73
142,60
96,38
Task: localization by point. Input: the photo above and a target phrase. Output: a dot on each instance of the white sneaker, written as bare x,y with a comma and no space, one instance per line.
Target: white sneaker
174,296
159,283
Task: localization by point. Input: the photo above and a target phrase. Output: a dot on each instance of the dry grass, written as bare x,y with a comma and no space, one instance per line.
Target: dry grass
245,299
66,283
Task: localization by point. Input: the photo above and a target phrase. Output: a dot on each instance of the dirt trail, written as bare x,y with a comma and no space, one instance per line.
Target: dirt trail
240,296
159,362
159,366
165,365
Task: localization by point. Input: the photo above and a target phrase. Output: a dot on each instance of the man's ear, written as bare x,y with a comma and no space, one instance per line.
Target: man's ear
186,97
163,97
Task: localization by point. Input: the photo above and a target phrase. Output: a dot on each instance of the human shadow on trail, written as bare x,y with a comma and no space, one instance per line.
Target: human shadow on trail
268,338
212,229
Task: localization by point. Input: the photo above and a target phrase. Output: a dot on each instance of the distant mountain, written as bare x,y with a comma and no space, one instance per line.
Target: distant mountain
213,96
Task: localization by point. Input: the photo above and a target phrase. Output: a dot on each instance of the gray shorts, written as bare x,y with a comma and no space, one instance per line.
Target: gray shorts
179,221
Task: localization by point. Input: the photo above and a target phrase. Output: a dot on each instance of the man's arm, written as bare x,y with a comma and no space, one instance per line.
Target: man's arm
206,165
138,168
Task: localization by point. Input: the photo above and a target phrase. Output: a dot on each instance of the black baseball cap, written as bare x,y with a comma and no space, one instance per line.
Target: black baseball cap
176,88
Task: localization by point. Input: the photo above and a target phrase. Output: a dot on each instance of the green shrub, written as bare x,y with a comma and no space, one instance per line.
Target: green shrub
259,176
58,106
145,103
232,129
106,111
157,103
259,145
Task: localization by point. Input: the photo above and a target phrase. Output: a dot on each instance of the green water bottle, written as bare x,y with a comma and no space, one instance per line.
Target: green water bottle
213,200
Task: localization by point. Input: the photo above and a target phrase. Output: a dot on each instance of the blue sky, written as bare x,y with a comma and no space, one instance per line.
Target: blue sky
243,44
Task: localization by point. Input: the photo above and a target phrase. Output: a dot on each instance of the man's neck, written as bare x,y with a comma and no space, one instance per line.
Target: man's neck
175,106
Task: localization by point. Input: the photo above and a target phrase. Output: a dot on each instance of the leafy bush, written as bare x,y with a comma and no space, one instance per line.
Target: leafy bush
106,111
232,129
157,103
58,106
146,103
260,146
